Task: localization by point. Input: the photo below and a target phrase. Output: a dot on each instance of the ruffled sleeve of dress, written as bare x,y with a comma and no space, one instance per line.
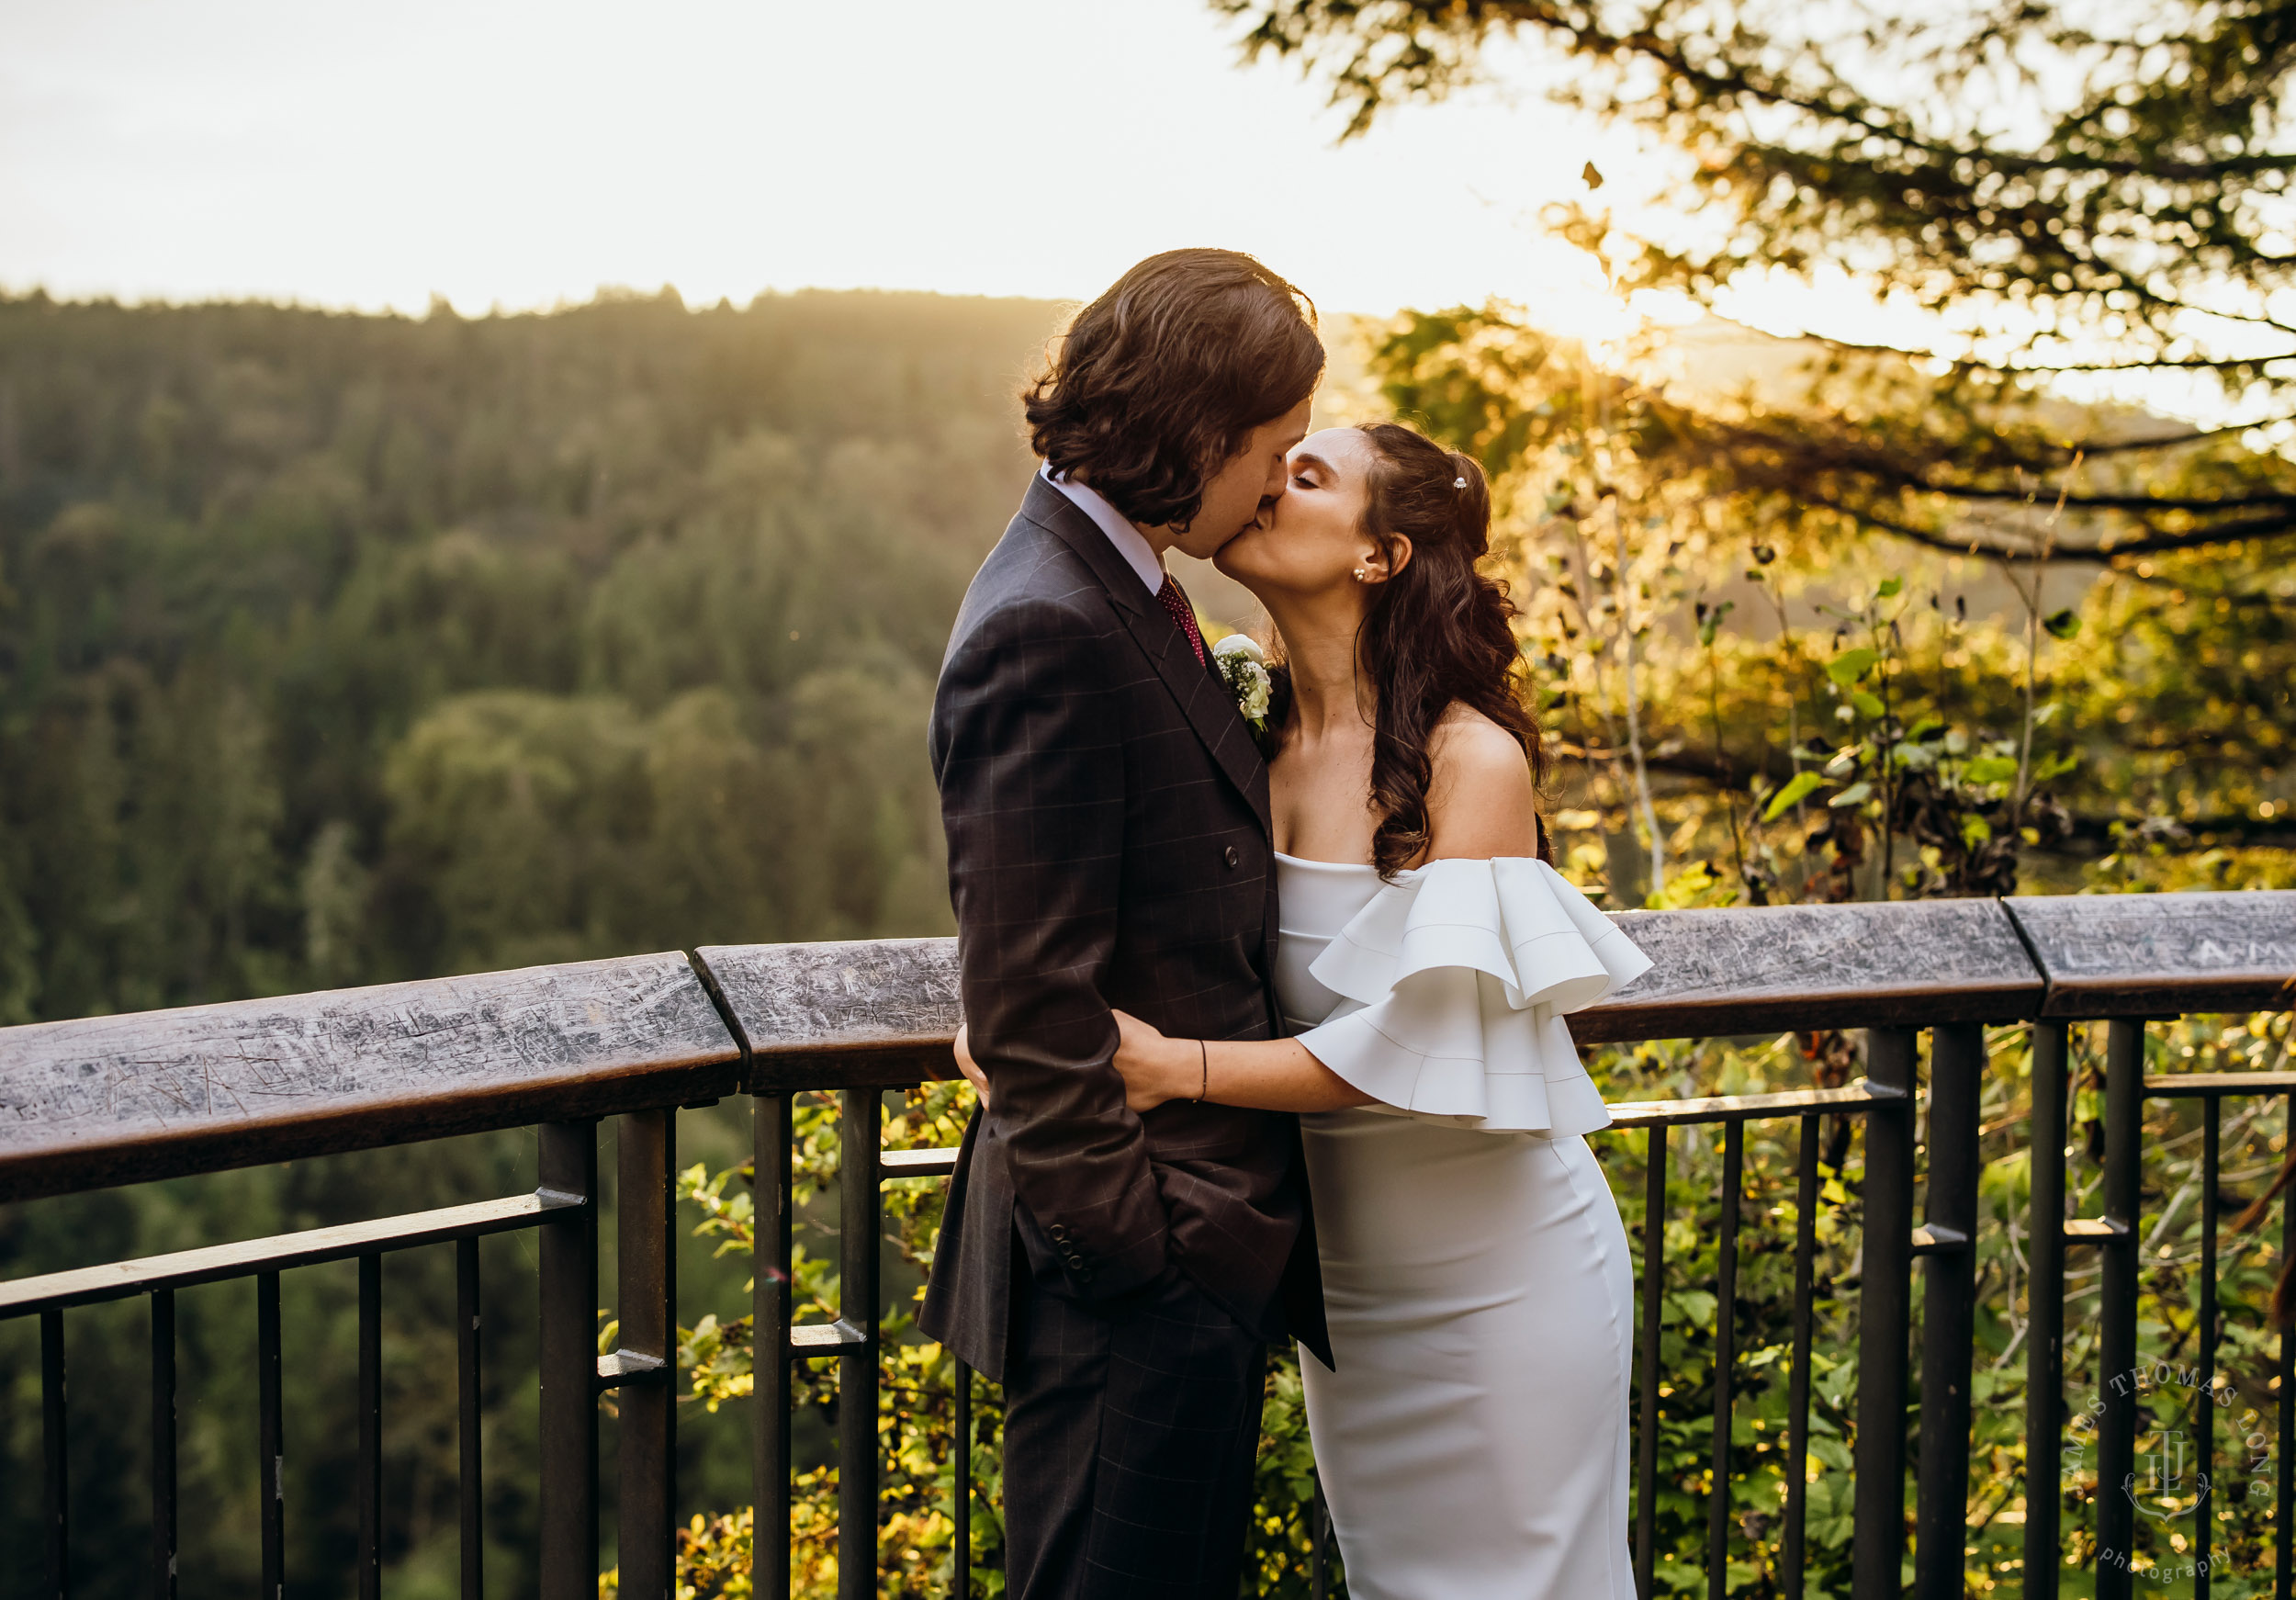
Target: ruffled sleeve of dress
1454,983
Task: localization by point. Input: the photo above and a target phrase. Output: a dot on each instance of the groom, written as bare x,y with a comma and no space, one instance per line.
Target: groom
1110,847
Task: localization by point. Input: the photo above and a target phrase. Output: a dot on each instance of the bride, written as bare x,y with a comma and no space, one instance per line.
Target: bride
1472,1436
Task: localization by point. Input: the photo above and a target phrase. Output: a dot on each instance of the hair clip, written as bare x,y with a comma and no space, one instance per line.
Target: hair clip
1459,483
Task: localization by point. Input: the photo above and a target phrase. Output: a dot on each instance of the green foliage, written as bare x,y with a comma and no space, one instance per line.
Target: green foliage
336,650
1732,675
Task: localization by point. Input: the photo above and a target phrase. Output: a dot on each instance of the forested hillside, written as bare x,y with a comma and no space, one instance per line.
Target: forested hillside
338,648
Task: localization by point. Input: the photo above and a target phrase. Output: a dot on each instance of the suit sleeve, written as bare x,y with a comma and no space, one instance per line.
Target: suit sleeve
1028,747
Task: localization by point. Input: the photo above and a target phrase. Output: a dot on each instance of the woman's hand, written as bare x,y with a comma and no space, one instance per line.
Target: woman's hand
970,1067
1151,1064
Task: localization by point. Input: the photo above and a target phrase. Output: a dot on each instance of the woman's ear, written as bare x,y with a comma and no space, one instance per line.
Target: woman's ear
1382,561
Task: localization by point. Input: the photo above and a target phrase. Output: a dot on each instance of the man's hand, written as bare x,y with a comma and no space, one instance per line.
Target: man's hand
971,1068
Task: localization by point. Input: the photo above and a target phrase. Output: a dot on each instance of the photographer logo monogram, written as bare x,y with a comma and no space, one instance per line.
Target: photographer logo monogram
2170,1483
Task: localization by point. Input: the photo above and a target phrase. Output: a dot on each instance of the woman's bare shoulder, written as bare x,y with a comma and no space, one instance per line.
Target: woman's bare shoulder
1481,801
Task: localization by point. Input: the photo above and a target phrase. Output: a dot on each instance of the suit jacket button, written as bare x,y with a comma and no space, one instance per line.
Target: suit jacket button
1234,858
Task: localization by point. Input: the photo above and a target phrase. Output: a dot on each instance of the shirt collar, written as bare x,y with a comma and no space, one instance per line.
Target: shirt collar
1138,552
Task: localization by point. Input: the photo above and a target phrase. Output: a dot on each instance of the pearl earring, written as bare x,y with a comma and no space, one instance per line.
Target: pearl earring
1358,574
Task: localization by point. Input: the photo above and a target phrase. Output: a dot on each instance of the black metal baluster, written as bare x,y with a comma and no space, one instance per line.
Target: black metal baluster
961,1487
859,1206
270,1444
162,1444
1653,1294
1320,1536
1884,1305
55,1457
645,1255
1948,1311
570,1365
370,1477
1725,1361
2116,1452
471,1479
1794,1558
2203,1523
2284,1467
771,1131
2044,1312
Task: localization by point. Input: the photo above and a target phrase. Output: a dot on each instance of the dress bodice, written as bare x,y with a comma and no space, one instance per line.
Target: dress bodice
1317,900
1441,992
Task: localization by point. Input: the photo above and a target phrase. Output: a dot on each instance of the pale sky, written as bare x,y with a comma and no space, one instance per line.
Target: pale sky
500,152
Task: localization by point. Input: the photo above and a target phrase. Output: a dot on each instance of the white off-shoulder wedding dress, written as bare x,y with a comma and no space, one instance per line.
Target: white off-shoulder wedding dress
1472,1437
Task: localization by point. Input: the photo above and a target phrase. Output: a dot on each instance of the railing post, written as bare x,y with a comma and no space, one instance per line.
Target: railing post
56,1463
1724,1360
164,1444
2204,1519
1793,1556
2044,1311
2284,1461
270,1438
471,1476
2116,1432
858,1226
1646,1430
370,1407
570,1365
769,1323
1884,1305
646,1256
960,1488
1948,1311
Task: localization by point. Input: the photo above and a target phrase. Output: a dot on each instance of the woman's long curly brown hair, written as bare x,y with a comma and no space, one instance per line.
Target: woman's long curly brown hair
1439,633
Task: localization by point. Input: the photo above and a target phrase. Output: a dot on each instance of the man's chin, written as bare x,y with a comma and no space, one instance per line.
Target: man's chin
1209,550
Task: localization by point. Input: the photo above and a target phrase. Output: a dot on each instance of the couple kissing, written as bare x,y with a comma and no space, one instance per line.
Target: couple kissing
1264,973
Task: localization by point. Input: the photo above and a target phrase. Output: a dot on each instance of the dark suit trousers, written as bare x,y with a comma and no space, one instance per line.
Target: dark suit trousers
1130,1429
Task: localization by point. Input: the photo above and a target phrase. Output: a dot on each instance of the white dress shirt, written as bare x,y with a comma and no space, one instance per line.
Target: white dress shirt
1138,552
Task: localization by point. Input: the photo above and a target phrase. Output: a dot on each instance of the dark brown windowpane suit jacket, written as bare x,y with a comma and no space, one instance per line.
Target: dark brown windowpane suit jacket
1108,846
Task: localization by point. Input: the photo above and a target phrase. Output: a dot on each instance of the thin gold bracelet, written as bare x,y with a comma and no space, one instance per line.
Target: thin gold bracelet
1203,1090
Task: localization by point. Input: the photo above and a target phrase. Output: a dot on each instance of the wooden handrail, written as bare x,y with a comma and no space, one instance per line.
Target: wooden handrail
120,1099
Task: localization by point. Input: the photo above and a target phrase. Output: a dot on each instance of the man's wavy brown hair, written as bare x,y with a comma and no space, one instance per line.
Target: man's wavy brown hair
1158,383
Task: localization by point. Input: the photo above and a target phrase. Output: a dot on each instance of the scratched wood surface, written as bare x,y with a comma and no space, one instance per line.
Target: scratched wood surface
832,1015
883,1012
122,1099
1764,969
2135,955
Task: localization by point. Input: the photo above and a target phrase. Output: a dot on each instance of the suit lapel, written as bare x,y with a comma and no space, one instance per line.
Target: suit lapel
1202,693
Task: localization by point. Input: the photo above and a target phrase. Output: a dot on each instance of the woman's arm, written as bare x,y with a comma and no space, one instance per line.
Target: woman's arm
1266,1074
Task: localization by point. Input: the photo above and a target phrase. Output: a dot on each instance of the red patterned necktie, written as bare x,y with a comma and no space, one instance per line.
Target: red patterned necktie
1183,614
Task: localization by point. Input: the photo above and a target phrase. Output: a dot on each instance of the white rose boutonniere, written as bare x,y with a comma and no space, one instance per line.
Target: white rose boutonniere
1244,668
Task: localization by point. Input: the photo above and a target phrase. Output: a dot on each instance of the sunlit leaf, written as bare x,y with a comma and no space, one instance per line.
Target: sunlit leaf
1851,665
1796,790
1867,705
1889,588
1990,769
1855,795
2062,625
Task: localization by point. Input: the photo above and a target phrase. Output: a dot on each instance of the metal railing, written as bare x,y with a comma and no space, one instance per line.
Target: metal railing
125,1099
